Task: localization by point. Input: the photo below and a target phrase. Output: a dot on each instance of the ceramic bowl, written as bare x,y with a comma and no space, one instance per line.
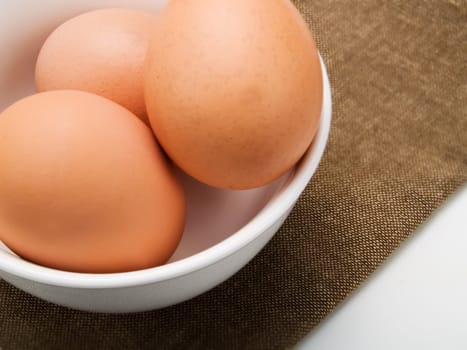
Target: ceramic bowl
224,231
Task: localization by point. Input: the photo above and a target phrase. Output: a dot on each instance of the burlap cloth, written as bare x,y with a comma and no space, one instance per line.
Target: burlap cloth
398,148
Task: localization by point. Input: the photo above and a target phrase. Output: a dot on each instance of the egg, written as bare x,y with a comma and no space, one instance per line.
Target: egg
101,52
84,186
233,89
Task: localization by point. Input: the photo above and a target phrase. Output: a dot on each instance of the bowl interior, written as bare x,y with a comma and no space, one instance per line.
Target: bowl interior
212,214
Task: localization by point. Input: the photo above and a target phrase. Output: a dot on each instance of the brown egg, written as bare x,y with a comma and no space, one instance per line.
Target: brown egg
233,89
101,52
84,187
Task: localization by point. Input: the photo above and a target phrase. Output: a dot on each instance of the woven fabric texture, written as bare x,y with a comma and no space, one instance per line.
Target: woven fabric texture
397,150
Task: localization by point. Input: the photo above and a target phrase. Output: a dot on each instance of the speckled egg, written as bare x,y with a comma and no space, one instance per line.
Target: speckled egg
233,89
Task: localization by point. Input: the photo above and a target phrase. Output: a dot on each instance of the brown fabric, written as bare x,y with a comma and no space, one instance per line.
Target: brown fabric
398,148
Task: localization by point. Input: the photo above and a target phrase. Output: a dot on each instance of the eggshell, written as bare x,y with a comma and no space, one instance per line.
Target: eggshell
84,186
233,89
101,52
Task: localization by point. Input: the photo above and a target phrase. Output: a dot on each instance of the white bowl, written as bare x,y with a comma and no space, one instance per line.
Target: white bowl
225,229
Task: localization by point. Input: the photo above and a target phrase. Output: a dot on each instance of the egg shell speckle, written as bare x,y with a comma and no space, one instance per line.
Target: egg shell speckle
233,89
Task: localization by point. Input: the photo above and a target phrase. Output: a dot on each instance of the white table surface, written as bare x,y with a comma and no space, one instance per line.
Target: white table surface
416,300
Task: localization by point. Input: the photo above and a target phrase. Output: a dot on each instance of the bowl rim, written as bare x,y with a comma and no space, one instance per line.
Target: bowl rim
274,209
